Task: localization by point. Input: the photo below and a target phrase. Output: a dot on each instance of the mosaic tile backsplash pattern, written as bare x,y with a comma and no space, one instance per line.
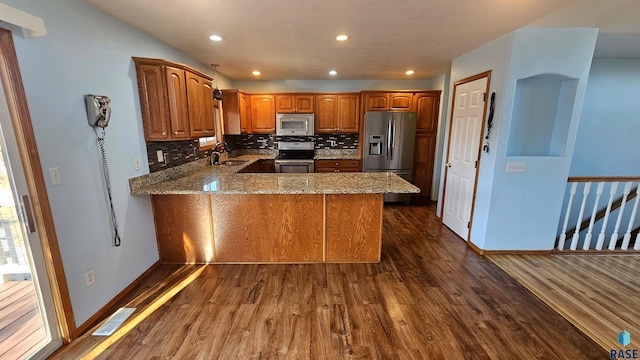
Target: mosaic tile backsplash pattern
270,141
182,152
177,153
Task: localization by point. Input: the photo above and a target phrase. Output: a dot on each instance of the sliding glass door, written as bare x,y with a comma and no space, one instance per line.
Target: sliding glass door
28,323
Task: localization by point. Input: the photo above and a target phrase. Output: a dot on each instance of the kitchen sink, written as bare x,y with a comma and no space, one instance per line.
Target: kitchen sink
234,162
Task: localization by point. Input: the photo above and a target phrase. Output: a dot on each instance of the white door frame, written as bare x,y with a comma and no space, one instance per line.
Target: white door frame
486,74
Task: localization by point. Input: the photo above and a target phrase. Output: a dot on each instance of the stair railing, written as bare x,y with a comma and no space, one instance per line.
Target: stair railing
616,205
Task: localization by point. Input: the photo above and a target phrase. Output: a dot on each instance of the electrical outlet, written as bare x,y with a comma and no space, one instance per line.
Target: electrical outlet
333,142
89,277
136,163
160,156
54,174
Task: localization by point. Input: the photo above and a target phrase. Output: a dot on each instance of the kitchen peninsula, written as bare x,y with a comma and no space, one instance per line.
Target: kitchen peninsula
214,214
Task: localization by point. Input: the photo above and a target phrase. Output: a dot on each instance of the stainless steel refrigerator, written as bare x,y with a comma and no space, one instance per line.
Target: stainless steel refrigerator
389,140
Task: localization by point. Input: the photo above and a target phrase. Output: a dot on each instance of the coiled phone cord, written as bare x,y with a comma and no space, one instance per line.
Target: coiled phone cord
107,180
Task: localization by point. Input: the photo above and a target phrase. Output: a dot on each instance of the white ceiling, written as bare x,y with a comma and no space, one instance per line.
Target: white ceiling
295,39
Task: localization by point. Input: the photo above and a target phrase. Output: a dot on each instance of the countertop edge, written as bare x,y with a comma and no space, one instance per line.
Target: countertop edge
193,177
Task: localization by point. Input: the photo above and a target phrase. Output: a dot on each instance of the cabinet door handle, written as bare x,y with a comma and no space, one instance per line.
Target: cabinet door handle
164,133
175,133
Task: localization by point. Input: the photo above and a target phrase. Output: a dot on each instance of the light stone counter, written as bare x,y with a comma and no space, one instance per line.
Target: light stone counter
337,157
203,179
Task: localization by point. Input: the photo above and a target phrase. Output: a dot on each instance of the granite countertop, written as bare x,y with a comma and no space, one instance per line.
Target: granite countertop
336,157
199,178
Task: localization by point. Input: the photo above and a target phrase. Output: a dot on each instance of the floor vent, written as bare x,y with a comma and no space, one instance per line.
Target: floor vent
114,322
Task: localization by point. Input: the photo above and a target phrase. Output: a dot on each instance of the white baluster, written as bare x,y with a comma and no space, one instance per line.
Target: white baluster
627,235
576,233
587,239
612,193
637,245
563,235
614,236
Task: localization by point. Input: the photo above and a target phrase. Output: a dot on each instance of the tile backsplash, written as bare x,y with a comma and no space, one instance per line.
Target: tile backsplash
182,152
177,153
270,141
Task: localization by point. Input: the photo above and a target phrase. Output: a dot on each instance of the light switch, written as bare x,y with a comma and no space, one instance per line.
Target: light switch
54,175
160,156
516,167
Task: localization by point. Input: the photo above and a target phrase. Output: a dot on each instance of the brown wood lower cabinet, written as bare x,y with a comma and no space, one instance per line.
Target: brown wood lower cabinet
337,166
268,228
353,222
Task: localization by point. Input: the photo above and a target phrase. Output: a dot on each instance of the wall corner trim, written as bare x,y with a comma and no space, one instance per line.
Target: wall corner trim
33,25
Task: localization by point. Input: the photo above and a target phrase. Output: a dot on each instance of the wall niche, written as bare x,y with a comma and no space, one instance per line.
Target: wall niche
541,115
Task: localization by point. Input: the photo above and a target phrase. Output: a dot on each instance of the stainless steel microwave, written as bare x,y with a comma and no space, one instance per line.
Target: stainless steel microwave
294,124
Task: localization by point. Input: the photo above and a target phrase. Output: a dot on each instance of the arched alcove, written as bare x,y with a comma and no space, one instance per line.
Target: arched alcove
541,115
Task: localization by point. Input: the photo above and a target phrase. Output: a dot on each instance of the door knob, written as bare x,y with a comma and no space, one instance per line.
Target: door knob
448,164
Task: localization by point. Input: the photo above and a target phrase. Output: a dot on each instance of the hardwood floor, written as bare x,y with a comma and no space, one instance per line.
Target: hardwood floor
429,298
566,283
21,328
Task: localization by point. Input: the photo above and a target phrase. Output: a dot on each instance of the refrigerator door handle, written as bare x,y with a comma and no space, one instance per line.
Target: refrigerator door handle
389,137
392,136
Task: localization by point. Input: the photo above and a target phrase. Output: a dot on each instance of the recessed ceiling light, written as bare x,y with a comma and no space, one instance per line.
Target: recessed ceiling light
256,72
409,72
216,37
342,37
332,72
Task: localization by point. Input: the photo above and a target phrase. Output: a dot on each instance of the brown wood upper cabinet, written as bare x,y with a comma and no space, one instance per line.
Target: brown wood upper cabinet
294,103
263,114
427,106
236,107
176,101
388,101
337,113
200,100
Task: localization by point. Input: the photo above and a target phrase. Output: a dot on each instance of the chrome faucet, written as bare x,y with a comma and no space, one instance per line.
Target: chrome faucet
215,158
215,154
223,143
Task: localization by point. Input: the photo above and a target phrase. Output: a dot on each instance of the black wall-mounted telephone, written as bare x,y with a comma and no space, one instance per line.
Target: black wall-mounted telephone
98,110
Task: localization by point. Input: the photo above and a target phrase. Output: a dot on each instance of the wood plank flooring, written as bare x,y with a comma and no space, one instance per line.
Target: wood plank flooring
597,293
429,298
21,328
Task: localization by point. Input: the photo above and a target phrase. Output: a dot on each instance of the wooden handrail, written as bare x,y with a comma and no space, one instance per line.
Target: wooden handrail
602,178
600,214
634,234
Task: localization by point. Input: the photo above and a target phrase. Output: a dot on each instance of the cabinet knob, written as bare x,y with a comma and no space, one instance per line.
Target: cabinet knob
337,170
206,131
337,164
164,133
175,133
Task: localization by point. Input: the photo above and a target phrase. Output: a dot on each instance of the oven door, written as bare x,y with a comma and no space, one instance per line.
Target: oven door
294,166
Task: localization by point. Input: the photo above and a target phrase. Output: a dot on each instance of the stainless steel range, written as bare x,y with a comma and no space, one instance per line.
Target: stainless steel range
295,157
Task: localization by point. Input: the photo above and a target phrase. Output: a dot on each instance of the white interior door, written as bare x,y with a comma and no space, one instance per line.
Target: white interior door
463,155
